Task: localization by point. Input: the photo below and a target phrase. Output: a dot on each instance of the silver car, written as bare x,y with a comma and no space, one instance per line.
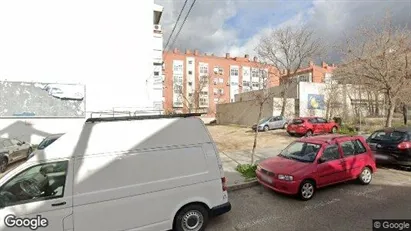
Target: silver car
272,122
12,150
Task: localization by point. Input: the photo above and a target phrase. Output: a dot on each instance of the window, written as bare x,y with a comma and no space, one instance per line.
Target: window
190,83
203,69
297,121
348,148
321,120
246,84
37,183
190,61
254,73
220,71
313,121
178,89
216,70
257,85
359,147
234,72
7,143
221,80
177,68
156,73
190,72
301,151
204,79
331,153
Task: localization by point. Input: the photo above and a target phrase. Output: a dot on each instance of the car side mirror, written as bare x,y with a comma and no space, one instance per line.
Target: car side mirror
321,160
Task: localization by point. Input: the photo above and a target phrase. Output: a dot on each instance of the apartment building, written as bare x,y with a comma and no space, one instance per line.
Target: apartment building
314,73
156,83
195,81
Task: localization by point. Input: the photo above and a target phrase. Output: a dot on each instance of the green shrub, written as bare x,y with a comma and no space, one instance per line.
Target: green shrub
247,170
345,130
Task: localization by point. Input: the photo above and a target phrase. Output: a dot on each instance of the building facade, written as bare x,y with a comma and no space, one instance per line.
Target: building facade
156,83
197,82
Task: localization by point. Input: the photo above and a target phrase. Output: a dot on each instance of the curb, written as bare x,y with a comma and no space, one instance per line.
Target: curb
244,185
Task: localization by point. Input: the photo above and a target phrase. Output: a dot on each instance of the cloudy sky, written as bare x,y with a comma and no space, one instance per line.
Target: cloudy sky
234,26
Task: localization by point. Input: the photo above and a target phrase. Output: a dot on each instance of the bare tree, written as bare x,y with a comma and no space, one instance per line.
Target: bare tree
261,97
288,49
192,99
333,99
378,57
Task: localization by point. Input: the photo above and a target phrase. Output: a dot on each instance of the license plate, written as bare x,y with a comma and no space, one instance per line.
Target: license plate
267,179
381,157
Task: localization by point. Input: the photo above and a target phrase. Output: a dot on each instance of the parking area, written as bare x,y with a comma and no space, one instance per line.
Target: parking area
231,138
348,206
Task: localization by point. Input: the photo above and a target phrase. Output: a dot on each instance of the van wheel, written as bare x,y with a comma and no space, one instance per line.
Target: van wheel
191,218
3,164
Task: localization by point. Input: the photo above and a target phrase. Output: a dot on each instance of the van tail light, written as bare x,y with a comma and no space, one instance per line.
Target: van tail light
224,183
404,145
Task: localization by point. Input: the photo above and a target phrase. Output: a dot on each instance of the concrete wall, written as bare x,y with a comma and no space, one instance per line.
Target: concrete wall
34,130
289,108
243,113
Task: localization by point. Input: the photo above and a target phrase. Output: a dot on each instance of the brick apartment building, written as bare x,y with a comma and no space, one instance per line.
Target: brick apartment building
194,81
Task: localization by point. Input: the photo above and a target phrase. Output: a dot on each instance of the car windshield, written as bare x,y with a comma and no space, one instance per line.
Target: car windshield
301,151
390,136
46,142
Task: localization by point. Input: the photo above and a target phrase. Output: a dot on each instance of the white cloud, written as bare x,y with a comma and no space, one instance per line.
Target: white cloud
206,28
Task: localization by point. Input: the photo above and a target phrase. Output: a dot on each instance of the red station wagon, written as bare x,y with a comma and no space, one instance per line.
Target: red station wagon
314,162
311,125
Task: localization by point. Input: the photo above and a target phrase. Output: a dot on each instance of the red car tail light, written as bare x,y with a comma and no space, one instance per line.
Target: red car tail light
404,145
224,183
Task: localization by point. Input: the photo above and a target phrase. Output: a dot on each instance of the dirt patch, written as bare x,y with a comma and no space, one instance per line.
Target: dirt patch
235,138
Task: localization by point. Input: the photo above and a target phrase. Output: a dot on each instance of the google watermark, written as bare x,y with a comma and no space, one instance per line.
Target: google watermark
33,223
400,225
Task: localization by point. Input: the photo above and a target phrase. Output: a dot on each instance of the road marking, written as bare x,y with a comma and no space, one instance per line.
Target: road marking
249,224
365,193
320,204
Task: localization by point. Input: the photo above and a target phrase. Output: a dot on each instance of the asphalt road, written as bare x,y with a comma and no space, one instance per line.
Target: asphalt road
347,206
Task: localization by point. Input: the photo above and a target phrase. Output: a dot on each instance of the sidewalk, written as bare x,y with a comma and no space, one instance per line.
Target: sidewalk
232,159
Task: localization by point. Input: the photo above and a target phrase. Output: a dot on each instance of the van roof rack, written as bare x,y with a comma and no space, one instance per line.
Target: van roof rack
142,117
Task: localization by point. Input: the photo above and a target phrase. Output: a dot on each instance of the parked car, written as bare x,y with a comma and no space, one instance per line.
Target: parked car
46,142
391,146
272,122
125,164
314,162
311,126
11,151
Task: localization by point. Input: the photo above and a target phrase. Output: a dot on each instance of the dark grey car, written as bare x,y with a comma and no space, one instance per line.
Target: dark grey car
12,150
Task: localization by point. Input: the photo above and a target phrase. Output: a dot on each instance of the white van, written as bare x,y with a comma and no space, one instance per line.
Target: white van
149,173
